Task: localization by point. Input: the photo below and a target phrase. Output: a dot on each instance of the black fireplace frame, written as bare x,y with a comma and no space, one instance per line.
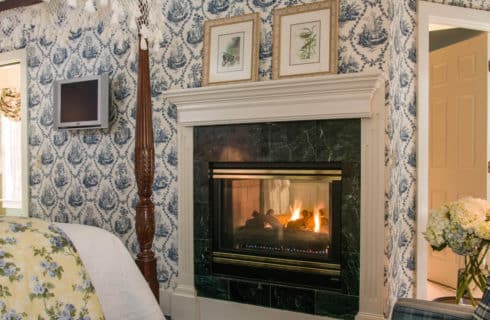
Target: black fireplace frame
305,270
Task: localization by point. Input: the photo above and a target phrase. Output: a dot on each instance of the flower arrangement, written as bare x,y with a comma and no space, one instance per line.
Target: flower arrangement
463,226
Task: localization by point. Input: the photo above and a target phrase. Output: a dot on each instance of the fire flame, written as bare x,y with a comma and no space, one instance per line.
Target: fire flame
296,210
316,219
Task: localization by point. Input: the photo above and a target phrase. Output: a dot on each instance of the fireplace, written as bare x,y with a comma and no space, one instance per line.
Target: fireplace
258,191
277,221
250,117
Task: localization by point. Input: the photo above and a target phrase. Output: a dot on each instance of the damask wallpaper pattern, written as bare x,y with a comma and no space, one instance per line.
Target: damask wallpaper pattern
401,150
87,176
400,194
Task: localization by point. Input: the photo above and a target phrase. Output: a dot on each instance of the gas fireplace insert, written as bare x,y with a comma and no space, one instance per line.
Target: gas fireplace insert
278,222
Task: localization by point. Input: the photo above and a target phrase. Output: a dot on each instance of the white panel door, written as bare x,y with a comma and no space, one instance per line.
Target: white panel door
458,135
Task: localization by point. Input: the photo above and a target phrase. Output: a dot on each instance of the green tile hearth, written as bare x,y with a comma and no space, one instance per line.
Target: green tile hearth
258,294
336,305
202,250
293,299
307,141
212,287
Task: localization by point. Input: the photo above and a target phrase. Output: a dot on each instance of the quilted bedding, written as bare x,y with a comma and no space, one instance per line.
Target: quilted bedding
42,275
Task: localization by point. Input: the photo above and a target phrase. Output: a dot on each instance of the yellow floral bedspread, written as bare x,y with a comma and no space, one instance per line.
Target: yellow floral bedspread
41,274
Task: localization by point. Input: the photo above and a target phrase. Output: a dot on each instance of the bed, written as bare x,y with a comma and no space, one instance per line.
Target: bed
120,286
124,291
138,295
69,271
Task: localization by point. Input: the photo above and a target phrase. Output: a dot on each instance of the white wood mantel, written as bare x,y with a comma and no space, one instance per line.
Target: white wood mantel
356,95
325,97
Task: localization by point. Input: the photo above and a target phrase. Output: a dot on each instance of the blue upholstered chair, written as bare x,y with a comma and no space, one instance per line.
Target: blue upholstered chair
414,309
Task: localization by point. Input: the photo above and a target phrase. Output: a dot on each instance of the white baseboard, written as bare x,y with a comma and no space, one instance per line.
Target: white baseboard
166,300
179,303
369,316
211,309
175,305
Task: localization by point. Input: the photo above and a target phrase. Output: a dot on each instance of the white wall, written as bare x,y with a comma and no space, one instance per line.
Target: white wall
9,78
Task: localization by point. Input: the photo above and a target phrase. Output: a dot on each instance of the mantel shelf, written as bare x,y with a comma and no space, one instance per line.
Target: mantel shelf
308,98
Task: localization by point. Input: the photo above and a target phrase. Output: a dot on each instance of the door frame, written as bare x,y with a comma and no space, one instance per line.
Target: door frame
434,13
20,56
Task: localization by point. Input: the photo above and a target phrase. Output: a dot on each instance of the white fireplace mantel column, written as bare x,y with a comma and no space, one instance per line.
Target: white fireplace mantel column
348,96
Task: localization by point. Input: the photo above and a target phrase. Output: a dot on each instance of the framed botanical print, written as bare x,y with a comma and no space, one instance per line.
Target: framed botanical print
305,40
231,50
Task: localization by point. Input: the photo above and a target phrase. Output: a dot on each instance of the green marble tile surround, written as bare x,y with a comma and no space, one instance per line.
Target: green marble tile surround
326,140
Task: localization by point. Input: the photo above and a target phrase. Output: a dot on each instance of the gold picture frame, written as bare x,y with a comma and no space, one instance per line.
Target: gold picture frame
231,50
305,40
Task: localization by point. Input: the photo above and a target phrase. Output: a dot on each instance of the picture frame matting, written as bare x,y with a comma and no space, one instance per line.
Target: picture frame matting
305,40
231,50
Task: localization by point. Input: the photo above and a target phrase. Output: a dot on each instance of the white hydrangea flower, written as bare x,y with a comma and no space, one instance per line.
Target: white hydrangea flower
482,230
468,212
437,224
462,225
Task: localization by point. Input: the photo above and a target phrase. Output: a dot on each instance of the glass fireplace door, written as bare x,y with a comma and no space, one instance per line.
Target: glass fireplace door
277,216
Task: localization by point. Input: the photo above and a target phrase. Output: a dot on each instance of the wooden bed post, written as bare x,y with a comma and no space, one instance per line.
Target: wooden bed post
144,170
11,4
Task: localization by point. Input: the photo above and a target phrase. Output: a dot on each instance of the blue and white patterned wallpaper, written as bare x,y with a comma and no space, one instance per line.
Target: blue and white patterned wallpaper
87,176
473,4
401,149
401,208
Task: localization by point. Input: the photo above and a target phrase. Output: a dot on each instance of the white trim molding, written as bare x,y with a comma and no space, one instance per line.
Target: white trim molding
324,97
358,95
20,56
428,14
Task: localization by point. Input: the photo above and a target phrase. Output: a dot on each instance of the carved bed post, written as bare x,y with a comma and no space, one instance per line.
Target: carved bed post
144,170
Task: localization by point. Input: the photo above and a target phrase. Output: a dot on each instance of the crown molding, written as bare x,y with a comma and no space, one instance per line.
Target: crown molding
309,98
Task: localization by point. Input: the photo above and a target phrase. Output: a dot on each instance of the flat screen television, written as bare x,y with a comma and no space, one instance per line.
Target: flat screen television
82,103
